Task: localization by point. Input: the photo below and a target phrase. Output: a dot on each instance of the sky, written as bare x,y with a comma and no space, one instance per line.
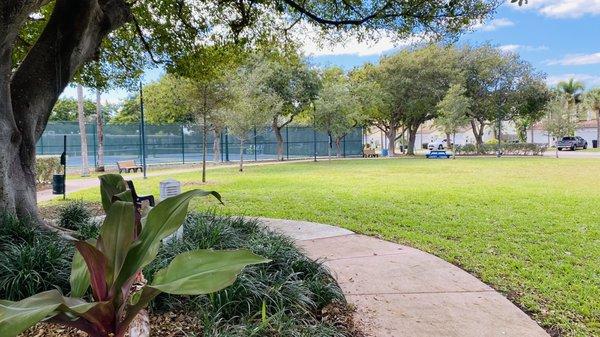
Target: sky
559,37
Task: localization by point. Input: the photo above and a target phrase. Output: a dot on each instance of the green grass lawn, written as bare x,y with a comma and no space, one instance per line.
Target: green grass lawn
530,227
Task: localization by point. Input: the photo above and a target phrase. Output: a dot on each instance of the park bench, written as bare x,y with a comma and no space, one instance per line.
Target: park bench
437,154
370,153
138,199
128,166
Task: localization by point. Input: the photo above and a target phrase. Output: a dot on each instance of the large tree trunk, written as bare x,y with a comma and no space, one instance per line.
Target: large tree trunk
85,169
338,147
279,138
391,136
478,134
100,131
412,138
71,37
532,135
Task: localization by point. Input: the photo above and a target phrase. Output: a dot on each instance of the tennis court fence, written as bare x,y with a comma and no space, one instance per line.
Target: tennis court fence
177,143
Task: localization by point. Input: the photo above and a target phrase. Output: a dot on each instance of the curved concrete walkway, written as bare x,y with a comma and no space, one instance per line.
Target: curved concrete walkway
402,291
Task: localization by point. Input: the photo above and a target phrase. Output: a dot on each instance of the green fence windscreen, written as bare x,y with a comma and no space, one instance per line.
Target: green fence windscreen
175,143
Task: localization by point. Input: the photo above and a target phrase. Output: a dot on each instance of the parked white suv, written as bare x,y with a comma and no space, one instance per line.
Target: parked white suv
439,144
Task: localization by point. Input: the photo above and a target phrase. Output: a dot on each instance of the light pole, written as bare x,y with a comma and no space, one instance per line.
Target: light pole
143,130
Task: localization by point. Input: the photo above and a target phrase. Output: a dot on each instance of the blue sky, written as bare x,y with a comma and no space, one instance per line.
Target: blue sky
559,37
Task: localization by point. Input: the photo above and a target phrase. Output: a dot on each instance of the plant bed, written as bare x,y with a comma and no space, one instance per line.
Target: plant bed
290,296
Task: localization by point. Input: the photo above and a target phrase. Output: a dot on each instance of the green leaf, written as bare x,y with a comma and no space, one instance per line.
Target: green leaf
110,186
203,271
162,220
16,317
80,276
117,234
98,268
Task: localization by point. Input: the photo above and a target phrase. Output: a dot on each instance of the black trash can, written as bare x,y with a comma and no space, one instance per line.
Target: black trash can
595,143
58,184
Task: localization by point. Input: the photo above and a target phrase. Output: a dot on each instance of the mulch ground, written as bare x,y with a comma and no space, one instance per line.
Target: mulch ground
164,325
182,325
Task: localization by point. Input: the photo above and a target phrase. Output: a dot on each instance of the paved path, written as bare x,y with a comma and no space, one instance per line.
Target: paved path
572,154
402,291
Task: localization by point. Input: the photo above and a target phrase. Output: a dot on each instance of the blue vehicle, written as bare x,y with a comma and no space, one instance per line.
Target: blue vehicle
437,154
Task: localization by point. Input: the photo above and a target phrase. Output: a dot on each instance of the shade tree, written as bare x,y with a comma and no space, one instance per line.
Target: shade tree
337,110
453,112
558,122
251,105
416,81
498,84
294,82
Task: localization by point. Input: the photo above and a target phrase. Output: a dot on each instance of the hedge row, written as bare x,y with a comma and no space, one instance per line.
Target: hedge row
515,149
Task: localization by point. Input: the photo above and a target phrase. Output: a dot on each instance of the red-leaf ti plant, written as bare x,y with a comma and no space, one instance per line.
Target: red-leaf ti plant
111,264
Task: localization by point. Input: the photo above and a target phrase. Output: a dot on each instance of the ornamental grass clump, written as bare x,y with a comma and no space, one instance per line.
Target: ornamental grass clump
129,239
74,215
287,297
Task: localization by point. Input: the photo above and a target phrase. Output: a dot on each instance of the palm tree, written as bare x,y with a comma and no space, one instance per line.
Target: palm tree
592,101
572,90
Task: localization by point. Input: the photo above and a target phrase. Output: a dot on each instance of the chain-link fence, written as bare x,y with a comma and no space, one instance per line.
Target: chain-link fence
175,143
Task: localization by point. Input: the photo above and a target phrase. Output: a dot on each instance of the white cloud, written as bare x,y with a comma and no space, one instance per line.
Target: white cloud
563,8
588,79
493,25
576,60
378,43
517,47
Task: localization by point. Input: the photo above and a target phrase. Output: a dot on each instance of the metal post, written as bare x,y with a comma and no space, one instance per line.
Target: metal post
226,145
143,130
221,145
363,141
63,160
255,144
314,141
498,151
182,145
94,136
287,143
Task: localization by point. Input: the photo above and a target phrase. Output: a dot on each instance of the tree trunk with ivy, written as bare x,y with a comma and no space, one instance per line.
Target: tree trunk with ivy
28,94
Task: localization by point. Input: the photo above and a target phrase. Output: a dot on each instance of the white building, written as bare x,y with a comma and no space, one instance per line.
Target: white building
428,133
585,129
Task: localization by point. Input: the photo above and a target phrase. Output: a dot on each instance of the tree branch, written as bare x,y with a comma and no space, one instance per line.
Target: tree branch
321,20
145,43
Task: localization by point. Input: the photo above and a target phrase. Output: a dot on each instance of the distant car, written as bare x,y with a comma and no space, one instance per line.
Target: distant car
437,145
571,143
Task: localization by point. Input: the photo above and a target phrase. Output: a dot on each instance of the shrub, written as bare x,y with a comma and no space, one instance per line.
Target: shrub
292,289
45,167
74,215
31,260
